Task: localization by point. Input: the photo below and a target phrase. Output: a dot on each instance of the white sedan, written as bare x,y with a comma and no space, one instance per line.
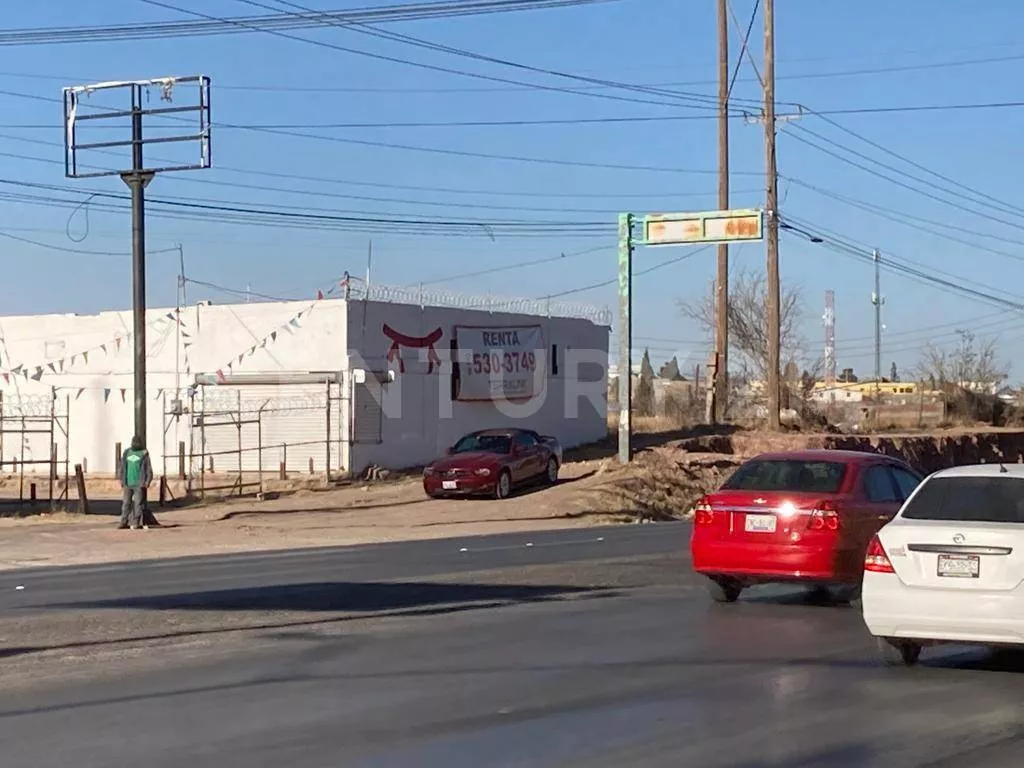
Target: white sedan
949,567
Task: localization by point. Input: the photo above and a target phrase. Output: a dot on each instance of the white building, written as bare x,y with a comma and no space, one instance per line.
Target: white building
336,383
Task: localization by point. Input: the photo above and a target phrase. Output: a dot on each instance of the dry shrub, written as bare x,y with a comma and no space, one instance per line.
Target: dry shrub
657,486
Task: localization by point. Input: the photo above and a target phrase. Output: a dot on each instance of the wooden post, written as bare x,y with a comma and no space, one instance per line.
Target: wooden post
32,493
117,457
83,499
163,490
311,465
181,459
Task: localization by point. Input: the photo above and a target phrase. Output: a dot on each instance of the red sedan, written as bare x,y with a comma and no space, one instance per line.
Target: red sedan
802,517
493,462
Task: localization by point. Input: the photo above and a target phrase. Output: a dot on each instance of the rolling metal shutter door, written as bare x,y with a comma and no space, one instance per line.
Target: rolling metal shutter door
367,414
293,414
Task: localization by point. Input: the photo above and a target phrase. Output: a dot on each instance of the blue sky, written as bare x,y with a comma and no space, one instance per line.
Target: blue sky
829,58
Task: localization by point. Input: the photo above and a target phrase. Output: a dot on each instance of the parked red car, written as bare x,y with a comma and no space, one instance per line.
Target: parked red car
802,517
493,462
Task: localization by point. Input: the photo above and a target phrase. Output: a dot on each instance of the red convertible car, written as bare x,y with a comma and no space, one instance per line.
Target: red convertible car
492,462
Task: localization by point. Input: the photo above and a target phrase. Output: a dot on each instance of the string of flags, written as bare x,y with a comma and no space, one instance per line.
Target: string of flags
188,340
289,327
62,365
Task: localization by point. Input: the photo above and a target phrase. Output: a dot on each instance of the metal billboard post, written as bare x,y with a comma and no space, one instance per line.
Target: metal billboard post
707,227
137,176
625,335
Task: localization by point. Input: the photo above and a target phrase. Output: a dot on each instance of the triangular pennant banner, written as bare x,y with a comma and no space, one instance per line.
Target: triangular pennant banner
220,376
319,295
123,393
104,348
85,357
241,357
263,344
60,364
252,351
169,316
7,378
187,344
273,335
52,367
185,335
17,370
79,393
106,394
117,342
38,374
294,322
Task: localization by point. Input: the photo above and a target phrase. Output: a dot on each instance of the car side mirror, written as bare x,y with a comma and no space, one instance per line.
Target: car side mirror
449,450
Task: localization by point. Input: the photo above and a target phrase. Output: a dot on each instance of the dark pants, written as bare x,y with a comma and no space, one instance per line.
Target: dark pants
131,506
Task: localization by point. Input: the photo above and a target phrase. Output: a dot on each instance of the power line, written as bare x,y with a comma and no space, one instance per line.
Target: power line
908,220
708,101
661,265
814,234
610,120
378,185
897,181
235,25
422,65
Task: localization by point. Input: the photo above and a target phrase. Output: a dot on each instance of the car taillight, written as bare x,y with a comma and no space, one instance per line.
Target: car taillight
876,560
703,514
824,517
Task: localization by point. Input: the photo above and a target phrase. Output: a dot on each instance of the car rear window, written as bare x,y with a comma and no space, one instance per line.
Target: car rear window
484,443
793,475
969,499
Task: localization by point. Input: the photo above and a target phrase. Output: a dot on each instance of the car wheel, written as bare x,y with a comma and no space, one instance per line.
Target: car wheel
503,488
552,472
724,591
896,652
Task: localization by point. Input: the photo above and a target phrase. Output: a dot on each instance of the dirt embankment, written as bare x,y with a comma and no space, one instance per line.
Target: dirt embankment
666,480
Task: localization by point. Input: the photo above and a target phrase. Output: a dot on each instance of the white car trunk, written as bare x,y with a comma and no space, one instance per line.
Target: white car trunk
980,556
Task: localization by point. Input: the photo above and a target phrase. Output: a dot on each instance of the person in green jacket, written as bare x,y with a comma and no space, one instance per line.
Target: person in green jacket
135,473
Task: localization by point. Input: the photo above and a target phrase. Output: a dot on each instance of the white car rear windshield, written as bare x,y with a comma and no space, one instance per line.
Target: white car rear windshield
990,499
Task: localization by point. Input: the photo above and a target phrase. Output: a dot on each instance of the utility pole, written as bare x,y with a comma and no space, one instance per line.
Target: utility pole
721,369
138,179
876,299
774,299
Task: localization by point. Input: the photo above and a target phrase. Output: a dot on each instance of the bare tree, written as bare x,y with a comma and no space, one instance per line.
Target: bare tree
971,365
748,331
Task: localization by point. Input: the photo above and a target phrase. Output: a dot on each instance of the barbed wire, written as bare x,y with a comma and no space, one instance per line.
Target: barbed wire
359,291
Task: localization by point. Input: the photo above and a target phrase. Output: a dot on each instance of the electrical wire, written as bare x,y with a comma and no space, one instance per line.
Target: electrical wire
168,29
423,65
381,90
708,101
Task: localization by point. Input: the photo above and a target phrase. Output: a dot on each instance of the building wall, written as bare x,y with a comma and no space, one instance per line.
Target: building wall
420,420
88,359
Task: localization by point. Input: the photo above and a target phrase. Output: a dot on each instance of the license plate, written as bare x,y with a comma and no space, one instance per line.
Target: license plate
449,485
760,523
959,566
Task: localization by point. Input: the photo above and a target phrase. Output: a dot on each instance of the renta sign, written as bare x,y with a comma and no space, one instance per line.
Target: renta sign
500,363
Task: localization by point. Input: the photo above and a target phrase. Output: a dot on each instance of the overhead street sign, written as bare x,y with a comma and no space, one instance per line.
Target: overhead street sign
741,225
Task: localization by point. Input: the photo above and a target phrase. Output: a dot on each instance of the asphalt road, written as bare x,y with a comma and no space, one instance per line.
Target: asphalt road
587,648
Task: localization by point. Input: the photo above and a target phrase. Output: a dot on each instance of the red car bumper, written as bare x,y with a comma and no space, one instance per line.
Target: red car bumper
463,485
763,562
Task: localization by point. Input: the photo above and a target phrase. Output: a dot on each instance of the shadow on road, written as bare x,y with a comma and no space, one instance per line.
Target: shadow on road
355,600
343,596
